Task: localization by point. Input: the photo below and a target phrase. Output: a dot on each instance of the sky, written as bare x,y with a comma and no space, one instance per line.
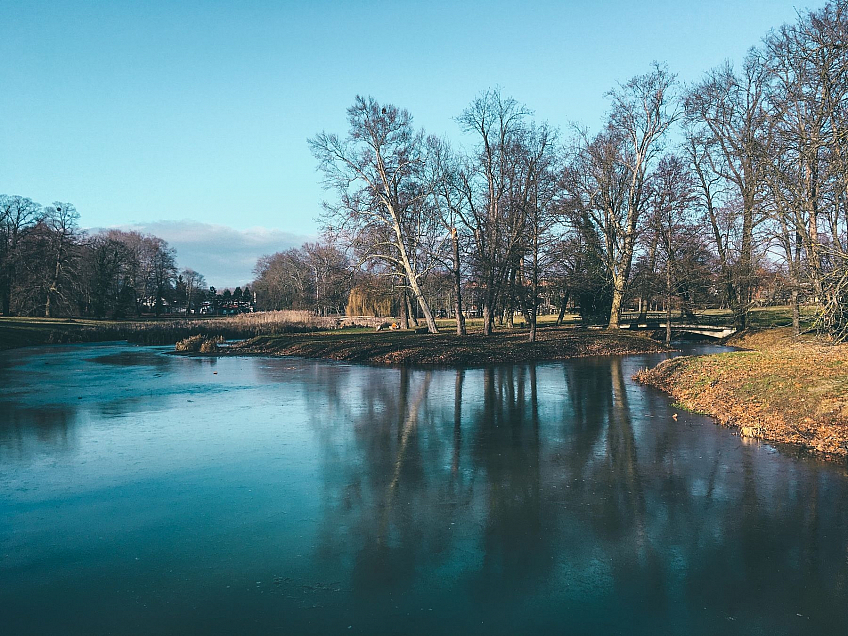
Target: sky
189,119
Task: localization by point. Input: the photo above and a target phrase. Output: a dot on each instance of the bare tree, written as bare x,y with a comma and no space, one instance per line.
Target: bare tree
195,286
105,282
17,215
61,219
451,206
378,174
538,192
671,199
808,73
492,219
732,133
608,175
162,270
282,281
331,276
719,219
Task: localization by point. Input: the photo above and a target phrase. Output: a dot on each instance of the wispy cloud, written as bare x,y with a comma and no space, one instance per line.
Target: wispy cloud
224,255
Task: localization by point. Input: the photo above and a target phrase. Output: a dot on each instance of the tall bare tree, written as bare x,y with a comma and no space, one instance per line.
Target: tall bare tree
718,212
17,215
378,174
195,287
62,221
494,220
452,208
608,175
105,284
538,192
162,269
807,64
671,205
728,120
331,276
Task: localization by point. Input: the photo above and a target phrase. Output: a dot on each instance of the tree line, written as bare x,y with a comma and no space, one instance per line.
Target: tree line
730,191
50,267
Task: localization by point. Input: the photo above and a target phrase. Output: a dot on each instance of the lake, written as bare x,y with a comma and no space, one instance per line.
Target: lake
147,493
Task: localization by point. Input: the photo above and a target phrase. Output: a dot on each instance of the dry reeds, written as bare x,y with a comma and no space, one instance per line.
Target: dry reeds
237,327
167,331
192,343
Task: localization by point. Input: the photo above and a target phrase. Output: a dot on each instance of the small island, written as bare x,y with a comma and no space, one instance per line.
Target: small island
446,349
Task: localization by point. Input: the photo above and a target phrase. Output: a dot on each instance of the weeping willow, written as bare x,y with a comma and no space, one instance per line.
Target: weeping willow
368,301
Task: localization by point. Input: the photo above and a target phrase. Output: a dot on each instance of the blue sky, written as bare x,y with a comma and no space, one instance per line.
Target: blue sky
192,117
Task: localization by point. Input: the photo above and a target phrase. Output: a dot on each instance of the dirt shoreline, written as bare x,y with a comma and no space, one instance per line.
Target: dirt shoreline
408,348
778,389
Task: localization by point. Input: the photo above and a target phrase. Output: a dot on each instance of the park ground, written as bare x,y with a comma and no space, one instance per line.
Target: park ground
448,349
302,336
28,331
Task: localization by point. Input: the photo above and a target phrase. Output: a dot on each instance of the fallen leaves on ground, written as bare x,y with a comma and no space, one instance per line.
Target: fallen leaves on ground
784,391
407,348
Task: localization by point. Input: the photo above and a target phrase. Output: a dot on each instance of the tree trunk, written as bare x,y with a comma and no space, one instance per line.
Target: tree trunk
796,314
615,310
411,310
514,281
413,279
457,285
460,318
428,315
488,319
404,311
668,300
747,263
422,303
529,314
562,307
531,318
54,287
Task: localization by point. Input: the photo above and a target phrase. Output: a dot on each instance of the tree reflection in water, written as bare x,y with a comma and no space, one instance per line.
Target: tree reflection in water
543,498
569,489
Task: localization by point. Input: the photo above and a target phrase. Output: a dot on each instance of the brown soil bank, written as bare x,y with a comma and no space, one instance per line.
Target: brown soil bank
781,391
450,349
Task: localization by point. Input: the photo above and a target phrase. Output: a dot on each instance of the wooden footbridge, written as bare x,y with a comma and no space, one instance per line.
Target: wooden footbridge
710,331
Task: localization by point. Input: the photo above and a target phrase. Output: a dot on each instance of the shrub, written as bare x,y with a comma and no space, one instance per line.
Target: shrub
210,345
193,343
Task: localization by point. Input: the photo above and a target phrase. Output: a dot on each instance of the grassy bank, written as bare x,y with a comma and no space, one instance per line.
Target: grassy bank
400,347
779,390
24,332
